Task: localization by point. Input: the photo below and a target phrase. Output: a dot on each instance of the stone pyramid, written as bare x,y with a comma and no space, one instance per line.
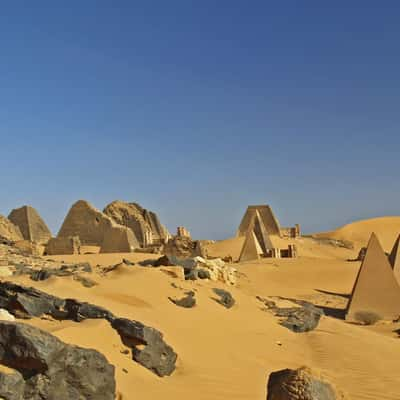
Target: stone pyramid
251,249
394,259
257,225
31,225
267,216
376,289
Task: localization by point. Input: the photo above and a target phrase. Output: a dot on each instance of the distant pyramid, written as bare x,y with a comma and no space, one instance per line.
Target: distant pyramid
257,225
251,249
266,215
376,289
30,223
394,259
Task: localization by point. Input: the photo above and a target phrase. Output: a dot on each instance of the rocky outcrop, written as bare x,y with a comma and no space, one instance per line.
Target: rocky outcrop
144,224
31,225
46,368
147,344
63,245
94,228
304,317
9,232
300,384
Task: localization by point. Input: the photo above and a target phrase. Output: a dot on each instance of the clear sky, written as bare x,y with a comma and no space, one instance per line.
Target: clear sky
196,109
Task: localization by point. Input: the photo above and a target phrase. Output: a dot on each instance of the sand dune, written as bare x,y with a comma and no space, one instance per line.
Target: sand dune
386,228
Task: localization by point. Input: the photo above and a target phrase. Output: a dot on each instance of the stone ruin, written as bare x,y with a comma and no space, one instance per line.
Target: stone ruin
181,231
270,221
259,222
63,245
144,224
31,225
8,231
95,228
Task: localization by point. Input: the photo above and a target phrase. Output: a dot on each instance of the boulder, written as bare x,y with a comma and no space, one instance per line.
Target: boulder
225,298
300,384
96,229
300,319
189,301
31,224
49,369
147,344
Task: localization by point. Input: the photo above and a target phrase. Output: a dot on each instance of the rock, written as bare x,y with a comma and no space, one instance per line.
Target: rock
94,228
300,384
5,315
184,247
182,232
144,224
189,301
164,260
225,298
31,225
200,268
63,245
148,346
50,369
174,272
9,232
300,319
86,282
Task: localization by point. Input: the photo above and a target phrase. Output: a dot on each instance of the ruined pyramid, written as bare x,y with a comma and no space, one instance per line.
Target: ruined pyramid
31,225
266,215
251,249
376,289
394,259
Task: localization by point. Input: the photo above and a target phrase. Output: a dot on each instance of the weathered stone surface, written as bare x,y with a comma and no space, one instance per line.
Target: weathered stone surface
8,231
300,319
148,346
63,245
96,229
225,298
300,384
189,301
50,369
184,247
29,248
144,224
31,225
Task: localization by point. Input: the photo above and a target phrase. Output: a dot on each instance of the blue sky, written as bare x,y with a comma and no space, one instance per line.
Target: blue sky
196,109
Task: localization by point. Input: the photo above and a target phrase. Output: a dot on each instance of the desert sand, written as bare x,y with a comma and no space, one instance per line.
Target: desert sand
229,353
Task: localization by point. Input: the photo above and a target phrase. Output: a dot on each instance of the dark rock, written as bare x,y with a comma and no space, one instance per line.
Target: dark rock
203,274
189,301
300,319
50,369
87,282
300,384
156,355
225,298
147,344
163,261
127,262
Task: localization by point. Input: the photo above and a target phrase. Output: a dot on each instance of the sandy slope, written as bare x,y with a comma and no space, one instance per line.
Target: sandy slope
228,354
387,229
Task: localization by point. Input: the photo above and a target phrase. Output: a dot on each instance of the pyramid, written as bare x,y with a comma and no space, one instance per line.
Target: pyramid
31,225
394,259
267,216
251,249
376,289
261,233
